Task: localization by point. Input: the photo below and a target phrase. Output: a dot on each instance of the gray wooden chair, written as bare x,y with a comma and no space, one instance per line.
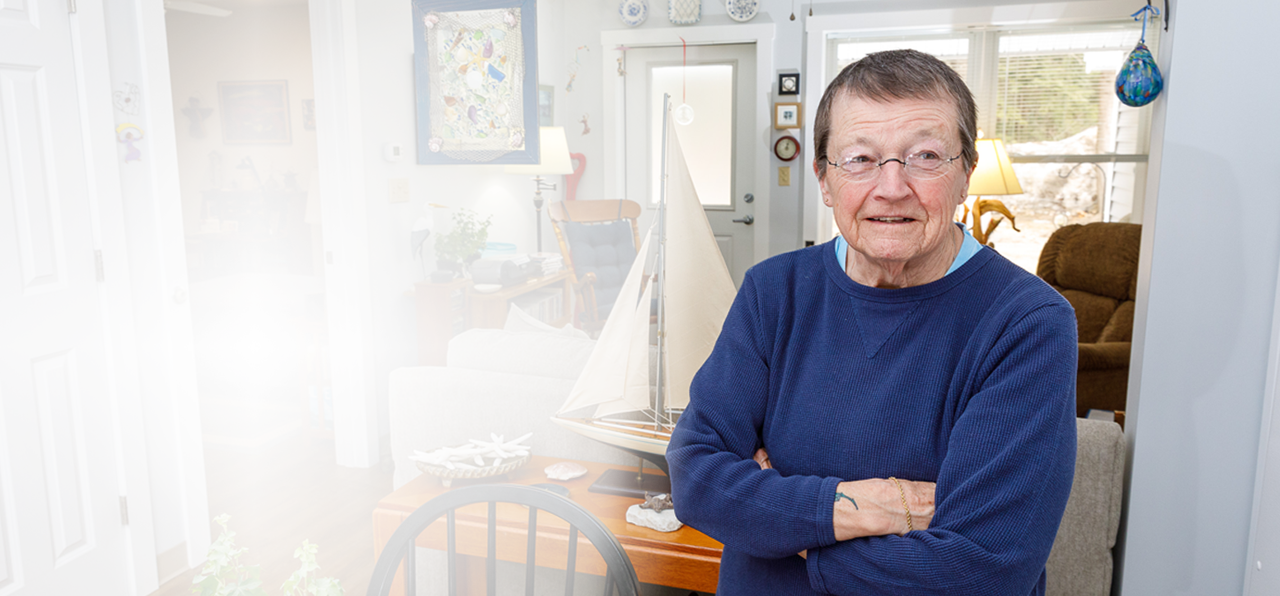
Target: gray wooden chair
620,577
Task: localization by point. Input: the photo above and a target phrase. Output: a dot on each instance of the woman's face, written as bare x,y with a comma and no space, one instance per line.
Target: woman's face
893,219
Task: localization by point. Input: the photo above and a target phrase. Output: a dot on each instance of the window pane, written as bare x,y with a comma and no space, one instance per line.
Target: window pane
1056,90
1056,96
708,140
952,50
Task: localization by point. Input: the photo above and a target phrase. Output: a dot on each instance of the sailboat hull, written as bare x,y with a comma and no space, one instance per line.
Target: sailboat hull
641,442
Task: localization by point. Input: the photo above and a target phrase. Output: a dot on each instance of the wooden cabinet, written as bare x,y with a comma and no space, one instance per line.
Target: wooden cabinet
447,309
442,314
490,310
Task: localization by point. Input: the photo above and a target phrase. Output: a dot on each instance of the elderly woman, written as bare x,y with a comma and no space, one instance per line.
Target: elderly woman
891,412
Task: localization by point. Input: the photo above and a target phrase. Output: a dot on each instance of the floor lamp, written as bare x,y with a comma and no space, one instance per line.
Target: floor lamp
994,176
554,161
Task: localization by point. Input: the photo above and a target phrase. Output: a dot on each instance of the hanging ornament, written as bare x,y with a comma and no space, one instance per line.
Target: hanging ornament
1139,81
684,112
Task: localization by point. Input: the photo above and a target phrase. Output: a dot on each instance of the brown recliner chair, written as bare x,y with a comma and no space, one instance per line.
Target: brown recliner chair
1095,266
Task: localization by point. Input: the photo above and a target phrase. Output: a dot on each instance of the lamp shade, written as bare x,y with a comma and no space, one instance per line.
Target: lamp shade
994,175
554,158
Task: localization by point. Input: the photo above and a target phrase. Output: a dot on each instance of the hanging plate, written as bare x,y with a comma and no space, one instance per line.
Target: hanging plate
633,12
684,12
742,10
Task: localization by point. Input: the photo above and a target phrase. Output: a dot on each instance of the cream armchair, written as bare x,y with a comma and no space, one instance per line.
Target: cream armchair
495,381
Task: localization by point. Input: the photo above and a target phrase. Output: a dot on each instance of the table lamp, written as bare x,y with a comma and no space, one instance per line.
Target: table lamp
553,161
993,176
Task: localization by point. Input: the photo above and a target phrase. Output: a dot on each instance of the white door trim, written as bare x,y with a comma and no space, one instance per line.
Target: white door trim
1264,522
157,270
344,224
116,293
761,34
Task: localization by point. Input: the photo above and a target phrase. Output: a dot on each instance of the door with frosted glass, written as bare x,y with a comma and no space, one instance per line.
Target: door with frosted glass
716,82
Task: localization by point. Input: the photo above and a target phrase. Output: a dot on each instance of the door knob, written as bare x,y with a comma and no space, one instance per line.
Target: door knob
748,219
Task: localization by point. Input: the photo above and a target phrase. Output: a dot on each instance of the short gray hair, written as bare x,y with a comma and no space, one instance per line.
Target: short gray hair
899,74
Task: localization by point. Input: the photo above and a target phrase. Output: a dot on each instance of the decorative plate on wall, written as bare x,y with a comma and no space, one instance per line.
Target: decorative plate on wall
742,10
684,12
633,12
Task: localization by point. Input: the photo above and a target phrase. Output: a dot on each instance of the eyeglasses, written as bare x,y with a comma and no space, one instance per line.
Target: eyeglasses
921,165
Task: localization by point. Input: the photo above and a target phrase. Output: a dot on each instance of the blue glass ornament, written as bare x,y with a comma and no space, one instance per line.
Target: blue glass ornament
1139,81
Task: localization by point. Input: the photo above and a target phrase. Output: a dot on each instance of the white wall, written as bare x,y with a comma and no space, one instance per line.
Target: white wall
387,112
1213,238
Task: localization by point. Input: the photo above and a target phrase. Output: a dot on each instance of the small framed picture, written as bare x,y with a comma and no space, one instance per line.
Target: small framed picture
789,83
786,115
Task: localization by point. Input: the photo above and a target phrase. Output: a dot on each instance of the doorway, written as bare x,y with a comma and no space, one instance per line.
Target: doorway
716,82
247,151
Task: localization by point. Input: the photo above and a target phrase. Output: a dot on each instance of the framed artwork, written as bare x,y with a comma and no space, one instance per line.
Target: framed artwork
475,76
255,112
308,114
546,105
789,83
786,115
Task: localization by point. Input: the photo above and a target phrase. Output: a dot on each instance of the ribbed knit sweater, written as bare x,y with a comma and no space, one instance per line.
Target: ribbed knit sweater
968,381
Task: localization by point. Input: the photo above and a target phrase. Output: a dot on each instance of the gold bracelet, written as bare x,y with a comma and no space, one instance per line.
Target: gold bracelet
903,495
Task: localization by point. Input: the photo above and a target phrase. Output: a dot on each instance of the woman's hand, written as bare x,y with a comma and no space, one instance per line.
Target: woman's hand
762,458
873,507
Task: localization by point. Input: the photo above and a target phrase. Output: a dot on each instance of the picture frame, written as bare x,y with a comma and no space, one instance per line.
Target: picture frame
787,115
789,83
476,81
255,112
546,105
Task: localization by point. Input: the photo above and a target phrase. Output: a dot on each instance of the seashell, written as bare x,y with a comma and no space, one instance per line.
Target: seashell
1139,81
564,470
658,503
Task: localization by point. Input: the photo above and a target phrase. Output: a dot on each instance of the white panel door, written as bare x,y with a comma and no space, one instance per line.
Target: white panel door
717,81
60,526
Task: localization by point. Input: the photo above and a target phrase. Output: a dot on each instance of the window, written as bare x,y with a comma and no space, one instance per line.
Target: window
708,140
1048,93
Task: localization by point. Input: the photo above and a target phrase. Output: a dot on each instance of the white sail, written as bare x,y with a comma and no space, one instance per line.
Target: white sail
698,289
636,392
609,380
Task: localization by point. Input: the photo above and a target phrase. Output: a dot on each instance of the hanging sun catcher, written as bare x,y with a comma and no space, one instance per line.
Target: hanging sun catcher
1139,81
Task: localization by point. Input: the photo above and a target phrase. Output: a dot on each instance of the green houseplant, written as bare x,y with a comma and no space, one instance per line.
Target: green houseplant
463,243
224,574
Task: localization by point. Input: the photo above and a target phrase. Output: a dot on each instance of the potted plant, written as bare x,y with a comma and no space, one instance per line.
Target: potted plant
224,574
462,244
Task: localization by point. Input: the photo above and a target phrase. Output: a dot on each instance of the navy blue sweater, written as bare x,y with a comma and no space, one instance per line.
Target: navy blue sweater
968,382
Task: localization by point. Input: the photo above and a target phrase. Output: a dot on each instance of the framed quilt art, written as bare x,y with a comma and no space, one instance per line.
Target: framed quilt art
475,74
255,112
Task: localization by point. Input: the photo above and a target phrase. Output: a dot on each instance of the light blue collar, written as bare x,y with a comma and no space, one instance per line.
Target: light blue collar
968,248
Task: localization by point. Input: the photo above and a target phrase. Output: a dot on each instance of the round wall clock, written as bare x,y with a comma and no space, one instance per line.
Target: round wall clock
787,148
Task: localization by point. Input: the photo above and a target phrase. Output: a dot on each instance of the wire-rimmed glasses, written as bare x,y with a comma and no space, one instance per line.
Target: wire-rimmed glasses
921,165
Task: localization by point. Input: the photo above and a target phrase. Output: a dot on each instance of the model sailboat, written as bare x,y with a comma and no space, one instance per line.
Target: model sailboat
632,410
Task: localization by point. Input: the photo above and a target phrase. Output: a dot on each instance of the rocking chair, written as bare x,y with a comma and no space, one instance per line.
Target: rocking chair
598,240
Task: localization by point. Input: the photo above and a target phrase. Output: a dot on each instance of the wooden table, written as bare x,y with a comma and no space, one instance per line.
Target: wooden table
686,558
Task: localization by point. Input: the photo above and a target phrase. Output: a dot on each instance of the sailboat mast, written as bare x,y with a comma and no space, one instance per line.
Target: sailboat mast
659,410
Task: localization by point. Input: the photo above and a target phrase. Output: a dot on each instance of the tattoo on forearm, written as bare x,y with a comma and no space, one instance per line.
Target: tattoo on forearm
840,495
